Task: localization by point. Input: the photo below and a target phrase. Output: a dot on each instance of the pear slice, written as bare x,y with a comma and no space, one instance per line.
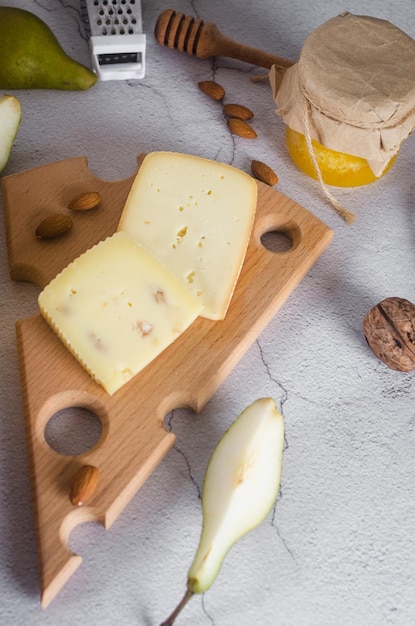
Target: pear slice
240,486
32,57
10,118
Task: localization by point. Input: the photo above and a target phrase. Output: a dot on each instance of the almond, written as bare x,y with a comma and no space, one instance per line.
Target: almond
212,89
85,201
264,173
239,111
54,226
83,484
241,128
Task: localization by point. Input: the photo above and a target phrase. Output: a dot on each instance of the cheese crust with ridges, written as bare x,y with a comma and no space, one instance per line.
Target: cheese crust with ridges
116,308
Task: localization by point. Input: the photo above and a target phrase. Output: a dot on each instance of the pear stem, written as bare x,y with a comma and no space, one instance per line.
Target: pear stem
169,621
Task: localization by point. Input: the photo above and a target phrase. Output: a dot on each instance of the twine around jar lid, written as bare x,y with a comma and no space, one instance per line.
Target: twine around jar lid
356,81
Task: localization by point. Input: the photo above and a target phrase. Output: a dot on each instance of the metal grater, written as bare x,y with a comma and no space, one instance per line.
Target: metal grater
117,42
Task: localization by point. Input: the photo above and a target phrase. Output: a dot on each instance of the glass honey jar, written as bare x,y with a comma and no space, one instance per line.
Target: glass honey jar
349,102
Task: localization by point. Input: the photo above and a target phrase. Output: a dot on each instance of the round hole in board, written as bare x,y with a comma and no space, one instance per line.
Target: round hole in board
72,431
277,241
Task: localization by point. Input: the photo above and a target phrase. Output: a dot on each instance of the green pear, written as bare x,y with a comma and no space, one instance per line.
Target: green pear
10,118
32,58
240,486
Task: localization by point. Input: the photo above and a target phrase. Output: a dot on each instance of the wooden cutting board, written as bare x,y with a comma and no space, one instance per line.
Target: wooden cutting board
133,440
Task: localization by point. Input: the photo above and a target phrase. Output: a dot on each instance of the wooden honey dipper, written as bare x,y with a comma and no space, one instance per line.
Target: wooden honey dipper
203,40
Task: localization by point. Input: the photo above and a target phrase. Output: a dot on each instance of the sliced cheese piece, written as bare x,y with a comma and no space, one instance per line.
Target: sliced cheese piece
196,216
116,308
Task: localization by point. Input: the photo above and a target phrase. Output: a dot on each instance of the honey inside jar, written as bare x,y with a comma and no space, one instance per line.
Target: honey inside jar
337,168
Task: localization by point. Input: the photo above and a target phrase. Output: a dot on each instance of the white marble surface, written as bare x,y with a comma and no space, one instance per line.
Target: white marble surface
339,547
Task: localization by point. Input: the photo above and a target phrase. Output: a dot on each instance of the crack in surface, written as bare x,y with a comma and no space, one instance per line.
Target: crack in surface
214,69
78,15
286,446
169,422
284,397
179,451
210,618
275,525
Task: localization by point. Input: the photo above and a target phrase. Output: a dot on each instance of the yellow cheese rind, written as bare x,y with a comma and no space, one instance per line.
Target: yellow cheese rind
196,216
116,308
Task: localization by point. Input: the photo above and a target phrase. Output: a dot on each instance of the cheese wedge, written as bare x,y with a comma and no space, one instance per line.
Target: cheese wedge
116,308
196,216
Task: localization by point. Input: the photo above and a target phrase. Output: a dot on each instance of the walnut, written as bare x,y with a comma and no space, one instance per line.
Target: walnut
389,328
